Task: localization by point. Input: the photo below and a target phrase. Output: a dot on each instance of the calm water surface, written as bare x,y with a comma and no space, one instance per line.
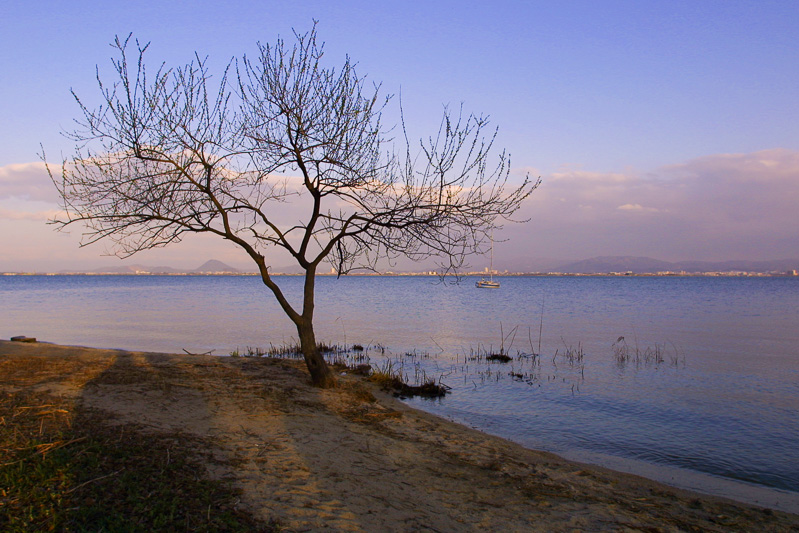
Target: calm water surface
719,411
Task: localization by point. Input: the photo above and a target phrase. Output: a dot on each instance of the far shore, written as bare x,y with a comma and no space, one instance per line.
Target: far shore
352,458
712,274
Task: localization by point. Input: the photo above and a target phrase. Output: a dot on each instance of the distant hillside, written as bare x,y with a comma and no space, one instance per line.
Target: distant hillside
615,264
214,267
647,265
134,269
527,264
748,266
209,267
595,265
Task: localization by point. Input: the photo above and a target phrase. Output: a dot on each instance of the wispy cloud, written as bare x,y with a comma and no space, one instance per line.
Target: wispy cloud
722,206
27,181
27,194
637,207
36,216
715,207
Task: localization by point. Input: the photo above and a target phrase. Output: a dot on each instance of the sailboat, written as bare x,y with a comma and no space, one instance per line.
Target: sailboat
489,283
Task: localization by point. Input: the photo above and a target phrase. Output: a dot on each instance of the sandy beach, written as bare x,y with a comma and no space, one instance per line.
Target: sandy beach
353,458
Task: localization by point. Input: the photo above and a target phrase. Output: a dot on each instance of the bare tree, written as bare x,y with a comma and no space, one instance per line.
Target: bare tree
172,152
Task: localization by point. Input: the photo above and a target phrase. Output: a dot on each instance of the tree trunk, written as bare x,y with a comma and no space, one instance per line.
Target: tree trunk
321,375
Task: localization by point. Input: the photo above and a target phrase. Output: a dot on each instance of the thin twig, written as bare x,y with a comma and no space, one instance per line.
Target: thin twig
76,487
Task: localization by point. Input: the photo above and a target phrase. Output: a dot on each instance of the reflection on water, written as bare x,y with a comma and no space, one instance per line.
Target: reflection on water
721,398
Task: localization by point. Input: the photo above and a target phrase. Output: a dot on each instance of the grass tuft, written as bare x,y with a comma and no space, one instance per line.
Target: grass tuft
625,354
388,377
65,469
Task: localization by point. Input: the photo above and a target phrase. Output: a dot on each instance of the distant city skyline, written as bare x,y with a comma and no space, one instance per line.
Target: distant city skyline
665,130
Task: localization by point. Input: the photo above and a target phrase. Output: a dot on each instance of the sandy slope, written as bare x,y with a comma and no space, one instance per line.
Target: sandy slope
346,460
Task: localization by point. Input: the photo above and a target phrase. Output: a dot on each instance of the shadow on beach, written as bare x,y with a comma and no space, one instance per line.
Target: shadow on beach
229,443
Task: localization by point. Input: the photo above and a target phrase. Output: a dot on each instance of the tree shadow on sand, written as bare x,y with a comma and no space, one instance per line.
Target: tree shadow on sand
151,465
126,441
67,462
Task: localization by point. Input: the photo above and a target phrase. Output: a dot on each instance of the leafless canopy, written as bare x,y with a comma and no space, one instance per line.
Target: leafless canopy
175,151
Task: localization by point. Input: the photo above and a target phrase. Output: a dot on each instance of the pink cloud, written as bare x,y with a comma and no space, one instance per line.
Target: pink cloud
722,206
37,216
27,180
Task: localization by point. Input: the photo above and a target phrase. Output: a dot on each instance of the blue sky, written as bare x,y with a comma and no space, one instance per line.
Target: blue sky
657,126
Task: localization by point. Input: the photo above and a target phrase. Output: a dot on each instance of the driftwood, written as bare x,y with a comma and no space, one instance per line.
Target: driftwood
204,353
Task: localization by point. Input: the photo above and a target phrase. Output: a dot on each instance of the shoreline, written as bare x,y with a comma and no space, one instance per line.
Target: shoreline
741,491
335,458
665,274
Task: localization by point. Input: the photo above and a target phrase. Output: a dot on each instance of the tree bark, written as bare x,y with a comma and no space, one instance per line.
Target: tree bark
321,375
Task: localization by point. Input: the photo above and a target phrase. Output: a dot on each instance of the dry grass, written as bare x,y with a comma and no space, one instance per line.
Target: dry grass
390,378
167,442
65,468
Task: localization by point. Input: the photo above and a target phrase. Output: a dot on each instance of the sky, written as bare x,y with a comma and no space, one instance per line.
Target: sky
667,129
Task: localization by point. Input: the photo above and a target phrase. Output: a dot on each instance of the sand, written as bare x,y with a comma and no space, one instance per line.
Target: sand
354,458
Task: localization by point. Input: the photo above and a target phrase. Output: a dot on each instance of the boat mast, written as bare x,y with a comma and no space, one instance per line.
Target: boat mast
491,268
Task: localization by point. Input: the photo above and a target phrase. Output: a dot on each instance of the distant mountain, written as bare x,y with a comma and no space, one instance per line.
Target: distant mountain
215,267
777,265
134,269
209,267
595,265
289,269
647,265
615,264
528,264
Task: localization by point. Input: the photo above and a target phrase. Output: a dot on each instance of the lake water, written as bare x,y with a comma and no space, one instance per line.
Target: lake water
702,393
